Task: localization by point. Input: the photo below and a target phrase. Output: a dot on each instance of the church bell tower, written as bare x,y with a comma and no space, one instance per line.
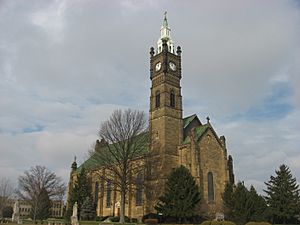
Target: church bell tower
166,126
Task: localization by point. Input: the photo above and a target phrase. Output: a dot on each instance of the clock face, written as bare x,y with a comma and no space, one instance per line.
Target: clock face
158,66
172,66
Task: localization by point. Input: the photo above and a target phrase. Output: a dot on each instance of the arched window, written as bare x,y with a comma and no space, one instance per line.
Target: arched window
172,99
210,181
139,190
157,99
108,194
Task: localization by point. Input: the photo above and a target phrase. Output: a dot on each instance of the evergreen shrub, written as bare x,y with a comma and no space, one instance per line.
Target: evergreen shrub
7,212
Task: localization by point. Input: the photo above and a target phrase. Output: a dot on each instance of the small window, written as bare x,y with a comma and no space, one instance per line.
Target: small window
172,99
211,194
108,194
157,99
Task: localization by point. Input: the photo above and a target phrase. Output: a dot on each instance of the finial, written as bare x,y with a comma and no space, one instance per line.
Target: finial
151,51
208,119
74,164
178,50
165,23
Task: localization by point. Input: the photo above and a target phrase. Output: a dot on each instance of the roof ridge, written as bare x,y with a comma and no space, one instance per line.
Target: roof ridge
190,116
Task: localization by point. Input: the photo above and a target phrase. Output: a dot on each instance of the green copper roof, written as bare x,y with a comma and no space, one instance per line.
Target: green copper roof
199,131
94,161
89,163
187,120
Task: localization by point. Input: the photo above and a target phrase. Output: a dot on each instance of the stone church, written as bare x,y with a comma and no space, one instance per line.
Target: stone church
173,141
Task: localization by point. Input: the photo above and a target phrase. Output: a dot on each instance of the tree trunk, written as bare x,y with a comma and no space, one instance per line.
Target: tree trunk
122,206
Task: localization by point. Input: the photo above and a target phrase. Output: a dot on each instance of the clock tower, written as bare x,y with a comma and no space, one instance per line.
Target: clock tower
166,126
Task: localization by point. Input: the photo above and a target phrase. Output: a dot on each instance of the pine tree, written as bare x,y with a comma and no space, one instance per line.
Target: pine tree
87,209
181,195
79,192
240,212
82,189
283,195
243,205
257,206
227,198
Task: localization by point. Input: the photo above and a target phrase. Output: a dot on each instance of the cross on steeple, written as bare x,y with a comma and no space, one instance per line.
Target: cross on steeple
208,119
165,23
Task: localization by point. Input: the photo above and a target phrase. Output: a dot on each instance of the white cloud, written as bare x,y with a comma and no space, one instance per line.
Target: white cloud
66,65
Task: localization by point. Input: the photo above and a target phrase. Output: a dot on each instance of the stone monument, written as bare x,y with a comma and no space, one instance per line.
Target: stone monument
16,214
74,217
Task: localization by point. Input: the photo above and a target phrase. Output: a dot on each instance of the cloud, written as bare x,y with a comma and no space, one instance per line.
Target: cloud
66,65
260,147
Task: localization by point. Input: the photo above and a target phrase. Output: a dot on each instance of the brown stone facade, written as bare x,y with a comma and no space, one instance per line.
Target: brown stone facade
174,141
203,156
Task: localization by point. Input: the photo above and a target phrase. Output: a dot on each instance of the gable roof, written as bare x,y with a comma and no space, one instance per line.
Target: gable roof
199,131
188,120
94,162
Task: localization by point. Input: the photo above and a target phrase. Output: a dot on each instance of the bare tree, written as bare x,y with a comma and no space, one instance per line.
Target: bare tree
36,180
124,138
6,191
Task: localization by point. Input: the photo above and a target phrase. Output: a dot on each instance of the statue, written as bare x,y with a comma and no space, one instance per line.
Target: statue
16,214
74,217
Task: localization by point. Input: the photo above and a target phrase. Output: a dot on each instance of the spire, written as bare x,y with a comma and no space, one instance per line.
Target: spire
165,22
165,35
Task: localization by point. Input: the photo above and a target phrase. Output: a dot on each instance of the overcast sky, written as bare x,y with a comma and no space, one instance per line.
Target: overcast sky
65,65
